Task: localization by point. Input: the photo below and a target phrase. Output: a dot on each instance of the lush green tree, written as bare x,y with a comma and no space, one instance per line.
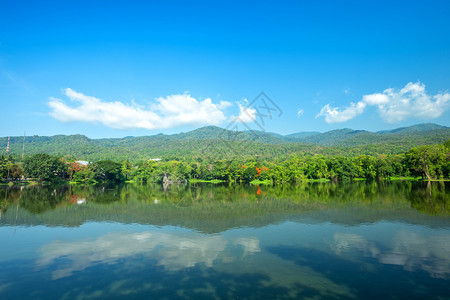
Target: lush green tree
427,161
366,166
249,171
127,169
84,175
16,171
107,170
4,165
44,167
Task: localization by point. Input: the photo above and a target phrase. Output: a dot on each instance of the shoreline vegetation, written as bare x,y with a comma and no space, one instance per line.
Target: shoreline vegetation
218,181
430,163
255,182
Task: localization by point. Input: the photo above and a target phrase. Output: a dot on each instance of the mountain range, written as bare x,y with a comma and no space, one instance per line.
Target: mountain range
197,142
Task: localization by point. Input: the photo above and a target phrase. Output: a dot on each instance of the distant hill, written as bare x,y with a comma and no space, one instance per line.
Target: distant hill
335,137
213,132
415,128
302,135
414,135
210,140
207,132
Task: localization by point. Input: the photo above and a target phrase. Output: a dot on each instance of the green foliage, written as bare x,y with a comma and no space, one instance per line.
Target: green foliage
241,162
107,170
429,161
16,172
84,175
44,167
5,164
207,143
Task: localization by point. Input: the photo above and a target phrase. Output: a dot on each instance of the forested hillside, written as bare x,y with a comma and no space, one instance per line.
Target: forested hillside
216,142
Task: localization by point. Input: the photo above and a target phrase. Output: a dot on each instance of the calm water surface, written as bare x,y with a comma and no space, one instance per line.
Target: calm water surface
310,241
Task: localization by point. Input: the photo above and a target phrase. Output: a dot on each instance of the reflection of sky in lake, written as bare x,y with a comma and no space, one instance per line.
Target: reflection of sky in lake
285,260
237,251
324,259
171,250
408,249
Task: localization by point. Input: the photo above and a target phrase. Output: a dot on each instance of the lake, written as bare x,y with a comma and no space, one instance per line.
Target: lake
360,240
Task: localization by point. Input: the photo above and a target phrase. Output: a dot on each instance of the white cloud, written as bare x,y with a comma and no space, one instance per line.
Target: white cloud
167,112
300,112
393,105
376,99
336,115
246,114
412,101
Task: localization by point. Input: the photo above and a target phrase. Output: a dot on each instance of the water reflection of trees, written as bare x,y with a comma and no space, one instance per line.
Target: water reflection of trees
150,203
430,197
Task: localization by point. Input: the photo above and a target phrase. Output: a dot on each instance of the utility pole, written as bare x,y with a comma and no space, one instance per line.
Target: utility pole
9,164
7,146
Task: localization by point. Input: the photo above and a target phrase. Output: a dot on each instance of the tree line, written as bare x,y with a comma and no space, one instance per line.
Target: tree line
428,162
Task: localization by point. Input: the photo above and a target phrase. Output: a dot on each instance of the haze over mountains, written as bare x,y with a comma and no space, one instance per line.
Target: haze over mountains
194,143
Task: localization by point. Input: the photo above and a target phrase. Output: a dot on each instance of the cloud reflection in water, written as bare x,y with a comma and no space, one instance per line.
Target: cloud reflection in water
410,250
171,250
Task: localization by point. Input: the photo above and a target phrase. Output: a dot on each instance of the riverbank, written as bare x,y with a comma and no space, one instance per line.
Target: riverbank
218,181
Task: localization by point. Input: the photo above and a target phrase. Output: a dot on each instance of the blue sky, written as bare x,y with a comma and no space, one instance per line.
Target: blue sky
121,68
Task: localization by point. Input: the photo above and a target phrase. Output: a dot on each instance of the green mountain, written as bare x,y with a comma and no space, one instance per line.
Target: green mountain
340,136
414,135
415,128
302,135
214,142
